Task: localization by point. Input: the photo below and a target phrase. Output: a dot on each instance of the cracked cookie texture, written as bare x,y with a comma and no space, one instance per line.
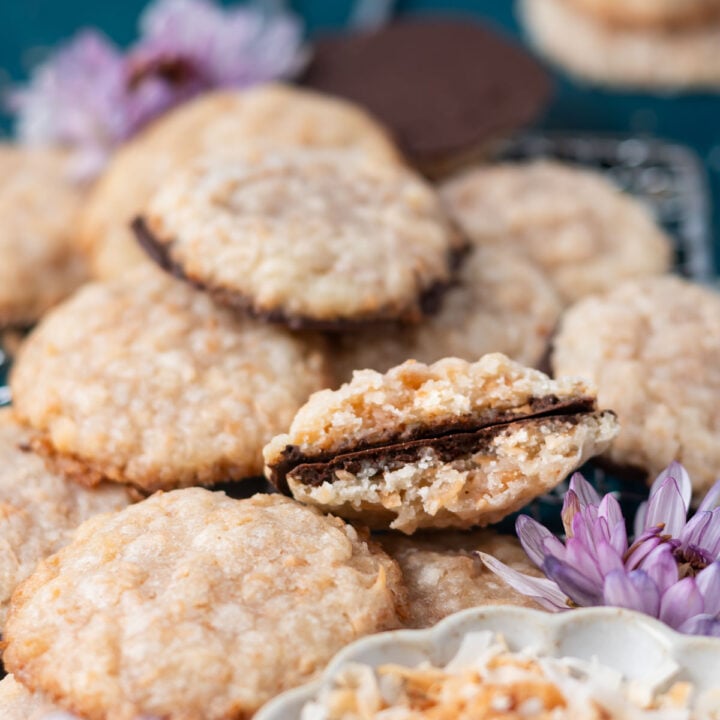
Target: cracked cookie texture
276,114
652,347
39,509
452,444
145,381
40,261
575,225
306,236
502,303
443,577
194,606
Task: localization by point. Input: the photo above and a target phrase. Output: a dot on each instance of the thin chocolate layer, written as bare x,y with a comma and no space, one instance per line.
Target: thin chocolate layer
429,301
393,457
547,406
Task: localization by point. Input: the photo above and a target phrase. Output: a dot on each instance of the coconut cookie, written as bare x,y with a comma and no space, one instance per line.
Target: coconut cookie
18,703
583,232
309,238
145,381
39,262
276,114
502,303
39,510
443,576
653,349
672,46
193,606
661,14
453,444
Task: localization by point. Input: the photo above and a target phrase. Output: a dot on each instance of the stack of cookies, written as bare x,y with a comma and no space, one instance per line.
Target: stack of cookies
280,295
663,44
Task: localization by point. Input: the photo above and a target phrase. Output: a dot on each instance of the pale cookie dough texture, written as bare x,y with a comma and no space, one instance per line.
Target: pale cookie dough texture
39,510
583,232
653,349
305,236
502,303
39,261
18,703
145,381
193,606
443,577
453,444
674,55
216,122
667,14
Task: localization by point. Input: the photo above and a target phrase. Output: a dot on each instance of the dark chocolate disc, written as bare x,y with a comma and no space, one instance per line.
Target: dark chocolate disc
446,88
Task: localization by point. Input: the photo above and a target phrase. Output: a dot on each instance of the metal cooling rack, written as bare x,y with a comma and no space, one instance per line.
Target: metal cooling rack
669,178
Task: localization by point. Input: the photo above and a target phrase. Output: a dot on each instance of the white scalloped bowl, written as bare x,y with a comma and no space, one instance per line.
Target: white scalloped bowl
640,647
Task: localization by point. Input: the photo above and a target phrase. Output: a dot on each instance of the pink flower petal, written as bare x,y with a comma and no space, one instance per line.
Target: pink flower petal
610,510
583,559
586,493
662,567
537,540
667,507
576,585
711,499
543,591
681,602
706,625
570,508
634,591
708,583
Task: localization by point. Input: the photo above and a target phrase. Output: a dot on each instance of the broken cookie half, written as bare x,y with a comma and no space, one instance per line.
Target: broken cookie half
453,444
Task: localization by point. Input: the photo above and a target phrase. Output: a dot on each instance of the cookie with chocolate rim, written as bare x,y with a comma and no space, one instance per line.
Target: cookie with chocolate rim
453,444
305,237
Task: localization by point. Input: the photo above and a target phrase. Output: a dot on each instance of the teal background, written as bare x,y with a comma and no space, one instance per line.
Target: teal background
693,119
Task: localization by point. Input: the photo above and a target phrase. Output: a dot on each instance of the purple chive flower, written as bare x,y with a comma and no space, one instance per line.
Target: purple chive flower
671,571
90,97
76,99
187,46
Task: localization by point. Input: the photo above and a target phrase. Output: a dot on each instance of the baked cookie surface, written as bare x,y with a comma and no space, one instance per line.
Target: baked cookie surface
193,606
443,577
501,303
453,444
18,703
652,347
659,14
39,261
39,509
584,233
145,381
318,238
276,114
634,56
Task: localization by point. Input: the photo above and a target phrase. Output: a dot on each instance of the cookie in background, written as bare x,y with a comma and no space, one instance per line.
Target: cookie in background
276,114
657,46
582,231
443,576
652,348
501,302
40,261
